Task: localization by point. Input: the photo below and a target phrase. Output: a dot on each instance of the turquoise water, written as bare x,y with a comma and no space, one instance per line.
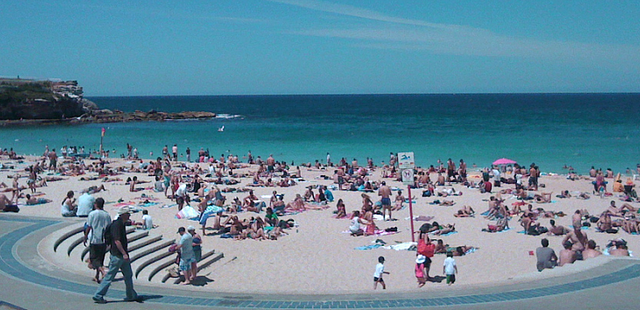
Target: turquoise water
549,129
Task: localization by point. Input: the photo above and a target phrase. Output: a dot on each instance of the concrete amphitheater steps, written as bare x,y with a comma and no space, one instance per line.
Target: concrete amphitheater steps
149,254
154,270
131,236
207,260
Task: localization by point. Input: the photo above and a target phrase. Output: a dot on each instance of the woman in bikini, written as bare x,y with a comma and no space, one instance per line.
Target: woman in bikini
342,210
366,202
398,201
370,227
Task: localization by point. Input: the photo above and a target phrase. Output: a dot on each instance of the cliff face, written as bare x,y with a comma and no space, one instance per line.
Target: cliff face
30,99
31,102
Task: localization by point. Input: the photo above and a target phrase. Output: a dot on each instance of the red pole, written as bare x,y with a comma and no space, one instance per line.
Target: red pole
413,236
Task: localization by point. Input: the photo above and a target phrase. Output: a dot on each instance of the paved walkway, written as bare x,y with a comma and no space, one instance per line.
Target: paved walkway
32,283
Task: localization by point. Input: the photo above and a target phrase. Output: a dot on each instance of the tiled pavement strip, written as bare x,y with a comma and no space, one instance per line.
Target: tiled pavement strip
12,264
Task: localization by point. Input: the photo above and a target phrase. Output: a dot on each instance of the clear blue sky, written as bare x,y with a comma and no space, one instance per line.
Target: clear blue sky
169,47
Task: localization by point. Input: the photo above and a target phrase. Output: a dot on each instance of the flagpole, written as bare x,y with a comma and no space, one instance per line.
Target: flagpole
101,138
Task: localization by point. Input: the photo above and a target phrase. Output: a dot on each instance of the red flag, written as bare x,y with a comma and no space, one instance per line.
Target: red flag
103,131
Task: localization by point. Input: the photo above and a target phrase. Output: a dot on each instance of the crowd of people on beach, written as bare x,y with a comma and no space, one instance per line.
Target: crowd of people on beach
201,188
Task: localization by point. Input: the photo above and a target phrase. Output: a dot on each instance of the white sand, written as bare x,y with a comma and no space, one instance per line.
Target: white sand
317,258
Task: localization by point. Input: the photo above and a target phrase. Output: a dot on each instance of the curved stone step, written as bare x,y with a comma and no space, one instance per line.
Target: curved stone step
133,237
153,249
66,236
132,247
78,241
144,243
202,264
160,267
151,261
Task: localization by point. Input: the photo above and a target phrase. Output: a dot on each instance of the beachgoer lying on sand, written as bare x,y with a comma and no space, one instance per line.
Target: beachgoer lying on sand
254,231
460,250
445,230
94,189
584,196
501,224
274,232
620,211
297,204
466,211
36,201
549,214
445,202
543,198
557,230
630,224
564,194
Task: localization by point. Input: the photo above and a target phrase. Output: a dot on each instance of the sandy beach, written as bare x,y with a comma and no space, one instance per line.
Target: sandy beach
317,256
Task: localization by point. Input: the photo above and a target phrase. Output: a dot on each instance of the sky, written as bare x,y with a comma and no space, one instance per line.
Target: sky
250,47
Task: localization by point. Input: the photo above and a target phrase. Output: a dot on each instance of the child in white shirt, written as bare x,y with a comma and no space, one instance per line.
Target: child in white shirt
450,268
377,276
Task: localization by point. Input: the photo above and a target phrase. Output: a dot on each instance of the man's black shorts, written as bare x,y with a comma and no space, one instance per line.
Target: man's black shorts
96,254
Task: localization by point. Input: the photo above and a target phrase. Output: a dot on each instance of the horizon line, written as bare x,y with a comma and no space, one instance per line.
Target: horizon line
377,94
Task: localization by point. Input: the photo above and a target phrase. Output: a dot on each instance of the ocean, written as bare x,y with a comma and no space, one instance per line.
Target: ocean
552,130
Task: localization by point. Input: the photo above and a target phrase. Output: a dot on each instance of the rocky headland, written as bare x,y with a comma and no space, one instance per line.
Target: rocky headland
33,102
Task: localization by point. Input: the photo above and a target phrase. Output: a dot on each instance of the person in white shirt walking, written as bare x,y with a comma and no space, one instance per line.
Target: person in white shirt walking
450,268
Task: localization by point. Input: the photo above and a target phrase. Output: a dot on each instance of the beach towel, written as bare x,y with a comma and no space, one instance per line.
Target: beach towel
135,209
123,204
187,213
421,218
369,247
495,232
148,204
581,227
447,234
168,206
404,246
376,233
384,233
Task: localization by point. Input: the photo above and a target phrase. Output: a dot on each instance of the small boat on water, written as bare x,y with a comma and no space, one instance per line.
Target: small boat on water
221,129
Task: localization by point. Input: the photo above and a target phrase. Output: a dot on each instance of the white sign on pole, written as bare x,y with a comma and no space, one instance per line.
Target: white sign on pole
407,176
406,160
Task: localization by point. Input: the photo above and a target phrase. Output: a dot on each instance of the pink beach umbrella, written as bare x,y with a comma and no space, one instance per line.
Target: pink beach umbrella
504,161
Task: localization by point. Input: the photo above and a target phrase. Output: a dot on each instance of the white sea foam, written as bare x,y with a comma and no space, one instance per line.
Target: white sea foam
228,116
